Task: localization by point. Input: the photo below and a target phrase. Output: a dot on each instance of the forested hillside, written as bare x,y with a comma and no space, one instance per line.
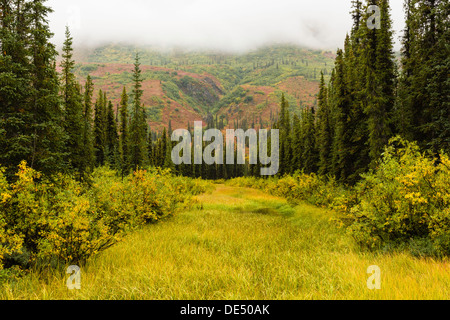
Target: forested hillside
182,86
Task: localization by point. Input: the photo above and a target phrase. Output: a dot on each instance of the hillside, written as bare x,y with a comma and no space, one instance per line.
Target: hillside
182,87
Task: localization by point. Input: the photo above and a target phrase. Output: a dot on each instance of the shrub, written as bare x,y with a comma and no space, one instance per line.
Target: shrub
60,220
405,200
56,219
248,99
24,208
171,90
10,242
74,229
320,191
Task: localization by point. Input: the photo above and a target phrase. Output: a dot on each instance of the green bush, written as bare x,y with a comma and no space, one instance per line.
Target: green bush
404,201
248,99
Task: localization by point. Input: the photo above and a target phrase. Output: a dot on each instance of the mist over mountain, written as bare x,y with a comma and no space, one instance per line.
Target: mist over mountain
231,25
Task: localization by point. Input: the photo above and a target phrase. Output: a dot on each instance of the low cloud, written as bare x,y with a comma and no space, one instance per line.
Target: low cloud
231,25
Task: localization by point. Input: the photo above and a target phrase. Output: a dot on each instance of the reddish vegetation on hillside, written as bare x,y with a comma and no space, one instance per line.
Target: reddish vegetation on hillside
303,90
104,78
166,100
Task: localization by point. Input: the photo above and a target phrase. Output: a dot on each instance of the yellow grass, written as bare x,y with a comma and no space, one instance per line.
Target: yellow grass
241,244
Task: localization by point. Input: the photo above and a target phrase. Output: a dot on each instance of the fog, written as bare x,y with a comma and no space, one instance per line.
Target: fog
230,25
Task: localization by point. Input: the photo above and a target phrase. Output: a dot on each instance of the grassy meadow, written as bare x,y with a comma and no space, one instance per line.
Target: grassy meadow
239,243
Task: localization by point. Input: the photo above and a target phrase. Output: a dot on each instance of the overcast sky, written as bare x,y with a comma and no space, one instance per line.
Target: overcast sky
236,25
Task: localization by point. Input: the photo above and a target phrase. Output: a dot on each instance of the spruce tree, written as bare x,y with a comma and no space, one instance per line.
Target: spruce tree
124,133
378,72
285,137
324,135
151,160
138,139
162,149
356,119
297,144
15,88
423,95
100,129
405,115
112,138
47,132
309,155
438,129
168,163
73,108
342,162
87,141
357,16
31,117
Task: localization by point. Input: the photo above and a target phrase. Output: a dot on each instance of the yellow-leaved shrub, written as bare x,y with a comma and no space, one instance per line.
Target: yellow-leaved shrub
9,241
404,202
320,191
53,220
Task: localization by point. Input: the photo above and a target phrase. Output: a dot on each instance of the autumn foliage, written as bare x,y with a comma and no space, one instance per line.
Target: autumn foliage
60,220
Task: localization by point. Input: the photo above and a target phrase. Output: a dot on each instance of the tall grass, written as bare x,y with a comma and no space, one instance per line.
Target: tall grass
240,243
404,203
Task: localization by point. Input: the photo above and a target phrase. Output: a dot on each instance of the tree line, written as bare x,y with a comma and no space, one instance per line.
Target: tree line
371,97
50,120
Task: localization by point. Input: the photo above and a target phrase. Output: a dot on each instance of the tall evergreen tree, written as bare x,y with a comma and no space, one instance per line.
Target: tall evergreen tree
138,126
309,155
324,130
405,120
357,16
124,133
342,162
31,117
379,74
423,95
112,138
297,144
15,86
168,163
151,160
87,141
285,137
161,152
47,133
357,153
73,108
100,129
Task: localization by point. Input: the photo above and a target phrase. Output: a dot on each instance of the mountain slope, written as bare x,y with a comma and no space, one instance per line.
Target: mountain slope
236,89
